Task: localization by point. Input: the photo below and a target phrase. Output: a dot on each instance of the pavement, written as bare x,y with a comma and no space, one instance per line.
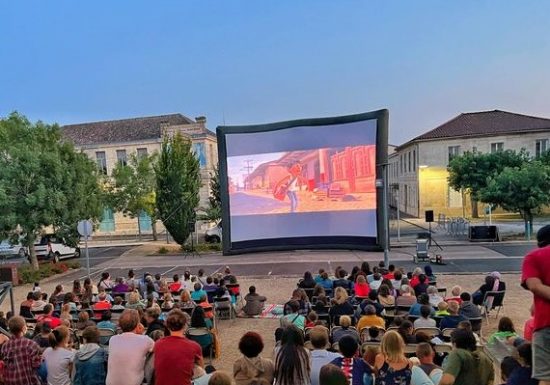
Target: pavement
458,259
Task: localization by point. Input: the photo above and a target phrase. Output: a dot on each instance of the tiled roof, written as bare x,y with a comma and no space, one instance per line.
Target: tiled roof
124,130
485,123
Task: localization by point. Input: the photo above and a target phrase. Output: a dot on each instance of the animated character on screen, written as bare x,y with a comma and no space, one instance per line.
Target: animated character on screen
289,185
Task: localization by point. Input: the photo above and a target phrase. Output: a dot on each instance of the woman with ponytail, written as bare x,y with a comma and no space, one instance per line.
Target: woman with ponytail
59,358
292,361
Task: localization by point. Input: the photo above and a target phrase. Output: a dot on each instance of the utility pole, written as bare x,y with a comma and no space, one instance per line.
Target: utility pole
249,167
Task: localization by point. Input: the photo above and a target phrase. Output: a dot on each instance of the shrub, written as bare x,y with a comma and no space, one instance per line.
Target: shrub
163,250
28,275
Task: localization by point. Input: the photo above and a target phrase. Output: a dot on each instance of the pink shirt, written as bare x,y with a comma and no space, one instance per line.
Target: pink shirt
528,329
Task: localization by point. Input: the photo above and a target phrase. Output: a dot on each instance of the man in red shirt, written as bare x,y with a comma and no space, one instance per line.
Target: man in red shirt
536,278
48,317
175,355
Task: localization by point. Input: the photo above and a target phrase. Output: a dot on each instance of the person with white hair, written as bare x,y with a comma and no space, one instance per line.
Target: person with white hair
407,297
435,298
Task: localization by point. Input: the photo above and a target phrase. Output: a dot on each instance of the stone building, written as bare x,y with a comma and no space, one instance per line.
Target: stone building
111,142
418,168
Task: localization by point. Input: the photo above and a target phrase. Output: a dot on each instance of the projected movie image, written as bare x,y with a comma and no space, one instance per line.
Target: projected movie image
317,180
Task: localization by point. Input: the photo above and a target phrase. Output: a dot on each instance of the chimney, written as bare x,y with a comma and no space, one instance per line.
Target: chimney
201,120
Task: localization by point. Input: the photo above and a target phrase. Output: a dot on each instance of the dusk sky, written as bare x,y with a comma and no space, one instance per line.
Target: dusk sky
249,62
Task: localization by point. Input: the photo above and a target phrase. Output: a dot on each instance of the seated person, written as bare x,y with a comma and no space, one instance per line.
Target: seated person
505,332
105,322
455,295
26,306
370,319
199,319
344,330
429,274
507,367
371,300
254,303
175,286
341,305
326,282
210,285
522,375
426,355
83,321
48,317
425,321
153,322
307,282
454,318
362,288
407,297
101,304
422,286
384,296
120,286
198,292
341,281
423,299
467,308
117,305
492,283
397,279
312,320
406,330
376,281
319,276
355,368
294,317
102,295
435,298
442,309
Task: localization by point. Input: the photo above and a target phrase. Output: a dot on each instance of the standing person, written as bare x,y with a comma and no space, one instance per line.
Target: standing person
290,185
59,358
90,360
21,356
251,366
465,364
176,355
292,359
128,351
536,278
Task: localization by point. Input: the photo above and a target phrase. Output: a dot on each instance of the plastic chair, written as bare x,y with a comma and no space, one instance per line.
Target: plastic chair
223,308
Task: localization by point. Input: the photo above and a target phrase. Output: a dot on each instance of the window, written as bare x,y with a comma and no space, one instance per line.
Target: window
401,164
101,161
453,151
121,157
414,160
497,147
141,153
410,163
541,146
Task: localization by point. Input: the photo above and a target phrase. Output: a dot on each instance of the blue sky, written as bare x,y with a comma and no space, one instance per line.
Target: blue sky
249,62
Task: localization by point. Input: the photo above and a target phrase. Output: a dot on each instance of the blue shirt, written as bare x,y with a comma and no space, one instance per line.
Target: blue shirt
106,325
196,295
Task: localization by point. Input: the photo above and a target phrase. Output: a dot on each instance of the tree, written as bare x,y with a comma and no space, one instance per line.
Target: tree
177,186
132,189
43,182
520,189
472,171
213,213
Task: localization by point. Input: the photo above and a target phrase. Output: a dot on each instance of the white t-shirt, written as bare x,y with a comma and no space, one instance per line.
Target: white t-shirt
127,353
320,358
57,363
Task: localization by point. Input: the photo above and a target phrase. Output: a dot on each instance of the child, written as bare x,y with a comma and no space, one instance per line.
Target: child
442,309
312,319
36,288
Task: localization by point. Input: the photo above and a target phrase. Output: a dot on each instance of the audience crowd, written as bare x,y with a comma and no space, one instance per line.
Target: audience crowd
379,326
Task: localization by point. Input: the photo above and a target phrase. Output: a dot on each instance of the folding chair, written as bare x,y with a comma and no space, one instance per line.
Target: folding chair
476,325
105,335
446,333
432,332
442,291
493,300
223,308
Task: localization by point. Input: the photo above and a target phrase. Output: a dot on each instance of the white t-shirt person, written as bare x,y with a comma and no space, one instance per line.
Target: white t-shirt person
127,354
58,362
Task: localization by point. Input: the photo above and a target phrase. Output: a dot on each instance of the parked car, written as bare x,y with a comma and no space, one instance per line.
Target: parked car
214,234
51,248
9,250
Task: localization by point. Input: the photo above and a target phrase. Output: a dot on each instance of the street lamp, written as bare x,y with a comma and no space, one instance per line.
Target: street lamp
383,183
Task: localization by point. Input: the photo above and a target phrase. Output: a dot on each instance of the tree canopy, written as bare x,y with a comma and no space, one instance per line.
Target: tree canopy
177,186
43,182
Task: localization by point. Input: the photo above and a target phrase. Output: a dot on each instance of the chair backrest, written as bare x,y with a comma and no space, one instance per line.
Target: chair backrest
105,335
202,336
432,332
497,296
476,323
443,348
410,348
446,333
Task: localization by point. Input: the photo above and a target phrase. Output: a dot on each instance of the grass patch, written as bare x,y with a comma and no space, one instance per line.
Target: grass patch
203,247
163,250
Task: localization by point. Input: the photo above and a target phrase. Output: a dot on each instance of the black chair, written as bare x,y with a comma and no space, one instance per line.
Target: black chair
493,300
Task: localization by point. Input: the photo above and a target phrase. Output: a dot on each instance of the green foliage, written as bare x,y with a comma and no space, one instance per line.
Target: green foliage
163,250
203,247
472,171
43,182
213,213
27,274
177,186
523,189
131,189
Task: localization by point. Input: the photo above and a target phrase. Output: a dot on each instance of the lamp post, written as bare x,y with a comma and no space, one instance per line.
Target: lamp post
383,183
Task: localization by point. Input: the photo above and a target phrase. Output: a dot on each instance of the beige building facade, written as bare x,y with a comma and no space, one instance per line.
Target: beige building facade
109,143
418,169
